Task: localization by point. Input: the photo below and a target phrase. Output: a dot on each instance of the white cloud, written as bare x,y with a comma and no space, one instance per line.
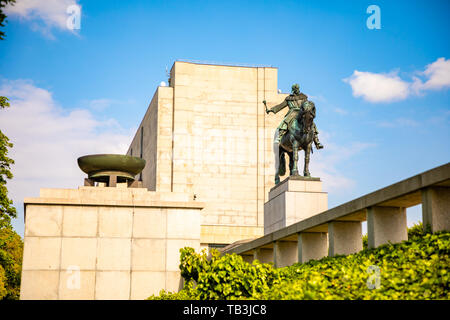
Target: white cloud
399,122
48,139
316,99
378,87
340,111
438,74
389,87
325,163
101,104
43,15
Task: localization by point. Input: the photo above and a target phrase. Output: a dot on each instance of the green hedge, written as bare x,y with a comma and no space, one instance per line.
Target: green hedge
414,269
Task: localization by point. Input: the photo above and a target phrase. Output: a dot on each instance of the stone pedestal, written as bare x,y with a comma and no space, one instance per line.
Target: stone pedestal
293,200
106,243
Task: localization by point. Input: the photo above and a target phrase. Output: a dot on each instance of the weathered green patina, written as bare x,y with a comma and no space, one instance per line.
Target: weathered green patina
297,131
100,167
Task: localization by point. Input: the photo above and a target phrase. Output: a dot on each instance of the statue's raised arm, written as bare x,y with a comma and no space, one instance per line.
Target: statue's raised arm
276,108
297,131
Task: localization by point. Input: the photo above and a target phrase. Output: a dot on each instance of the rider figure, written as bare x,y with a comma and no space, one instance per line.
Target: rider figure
294,101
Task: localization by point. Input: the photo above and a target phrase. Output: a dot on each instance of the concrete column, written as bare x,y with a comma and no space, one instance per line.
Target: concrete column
247,258
344,237
263,255
386,224
436,208
312,246
112,181
285,253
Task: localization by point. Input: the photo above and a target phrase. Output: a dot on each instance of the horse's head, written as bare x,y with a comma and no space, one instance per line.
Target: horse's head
307,115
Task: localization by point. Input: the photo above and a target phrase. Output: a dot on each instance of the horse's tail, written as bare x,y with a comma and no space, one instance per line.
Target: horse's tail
282,168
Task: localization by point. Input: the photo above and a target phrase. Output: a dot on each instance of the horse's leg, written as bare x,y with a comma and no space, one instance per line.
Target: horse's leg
278,157
278,167
291,161
307,154
295,146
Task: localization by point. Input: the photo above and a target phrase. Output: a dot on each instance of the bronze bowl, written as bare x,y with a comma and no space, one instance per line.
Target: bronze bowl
99,167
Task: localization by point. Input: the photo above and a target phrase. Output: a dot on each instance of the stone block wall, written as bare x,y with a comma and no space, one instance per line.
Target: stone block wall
214,140
105,243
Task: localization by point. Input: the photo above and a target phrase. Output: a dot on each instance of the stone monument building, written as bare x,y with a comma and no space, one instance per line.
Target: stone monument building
208,181
207,134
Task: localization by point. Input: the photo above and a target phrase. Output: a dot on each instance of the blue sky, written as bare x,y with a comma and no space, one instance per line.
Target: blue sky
382,94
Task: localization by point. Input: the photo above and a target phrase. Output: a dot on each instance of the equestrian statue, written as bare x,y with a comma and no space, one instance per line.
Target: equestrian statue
297,131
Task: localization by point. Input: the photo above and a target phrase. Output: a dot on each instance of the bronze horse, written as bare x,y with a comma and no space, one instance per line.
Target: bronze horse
300,135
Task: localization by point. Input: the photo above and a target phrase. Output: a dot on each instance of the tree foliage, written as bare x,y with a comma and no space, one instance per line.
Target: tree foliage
11,244
11,251
7,211
3,4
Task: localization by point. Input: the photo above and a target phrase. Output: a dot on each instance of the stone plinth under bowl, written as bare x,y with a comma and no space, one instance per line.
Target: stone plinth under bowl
100,167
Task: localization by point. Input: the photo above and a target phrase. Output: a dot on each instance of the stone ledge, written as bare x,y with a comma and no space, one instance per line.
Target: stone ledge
301,178
113,203
167,204
295,178
227,233
296,184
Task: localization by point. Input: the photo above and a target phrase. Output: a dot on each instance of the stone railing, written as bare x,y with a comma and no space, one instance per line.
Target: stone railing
339,231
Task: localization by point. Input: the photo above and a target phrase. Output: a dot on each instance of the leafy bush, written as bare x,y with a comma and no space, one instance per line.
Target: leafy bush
221,277
414,269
